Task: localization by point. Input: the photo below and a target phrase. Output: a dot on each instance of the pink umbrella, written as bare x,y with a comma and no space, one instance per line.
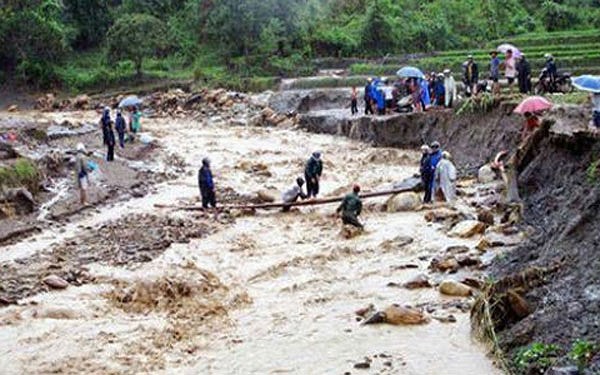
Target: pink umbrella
502,48
533,104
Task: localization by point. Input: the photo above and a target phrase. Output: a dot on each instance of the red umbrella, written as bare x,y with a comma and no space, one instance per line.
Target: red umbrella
533,104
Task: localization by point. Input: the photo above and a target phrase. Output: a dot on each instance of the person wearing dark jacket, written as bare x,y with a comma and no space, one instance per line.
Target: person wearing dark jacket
426,172
524,75
351,208
109,141
367,97
206,185
471,75
434,158
550,66
105,124
121,127
312,174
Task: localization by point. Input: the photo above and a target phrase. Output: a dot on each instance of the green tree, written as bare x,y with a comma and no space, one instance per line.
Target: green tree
32,39
378,34
135,37
557,16
90,19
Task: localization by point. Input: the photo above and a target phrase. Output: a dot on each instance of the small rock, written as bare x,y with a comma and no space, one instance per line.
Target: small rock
362,365
447,263
569,370
350,231
455,250
266,196
467,228
13,108
472,282
404,202
467,260
483,244
364,311
419,281
444,318
454,288
441,214
55,282
398,315
485,216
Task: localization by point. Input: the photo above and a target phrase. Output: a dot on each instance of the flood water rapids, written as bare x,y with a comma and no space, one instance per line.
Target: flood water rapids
302,279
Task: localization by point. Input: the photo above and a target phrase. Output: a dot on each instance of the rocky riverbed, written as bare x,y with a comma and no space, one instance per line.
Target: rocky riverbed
135,285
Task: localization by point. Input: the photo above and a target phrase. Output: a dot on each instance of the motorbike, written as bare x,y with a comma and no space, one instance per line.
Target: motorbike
562,83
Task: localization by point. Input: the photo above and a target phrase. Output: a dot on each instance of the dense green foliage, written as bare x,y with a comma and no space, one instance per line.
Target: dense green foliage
46,42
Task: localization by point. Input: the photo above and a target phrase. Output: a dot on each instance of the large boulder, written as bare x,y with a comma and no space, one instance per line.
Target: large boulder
404,202
399,315
467,228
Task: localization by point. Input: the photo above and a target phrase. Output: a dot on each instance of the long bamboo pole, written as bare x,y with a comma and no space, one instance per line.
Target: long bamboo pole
311,202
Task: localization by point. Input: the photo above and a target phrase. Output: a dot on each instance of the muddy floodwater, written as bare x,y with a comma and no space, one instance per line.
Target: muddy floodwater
270,293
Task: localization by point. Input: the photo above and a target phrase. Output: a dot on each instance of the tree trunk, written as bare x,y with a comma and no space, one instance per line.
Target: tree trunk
138,68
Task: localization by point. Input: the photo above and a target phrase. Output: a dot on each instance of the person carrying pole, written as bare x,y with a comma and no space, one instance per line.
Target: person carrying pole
292,194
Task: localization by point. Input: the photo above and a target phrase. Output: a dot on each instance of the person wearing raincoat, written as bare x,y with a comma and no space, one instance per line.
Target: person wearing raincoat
439,90
425,98
206,185
105,123
82,171
121,128
135,124
445,179
450,89
524,75
426,172
434,158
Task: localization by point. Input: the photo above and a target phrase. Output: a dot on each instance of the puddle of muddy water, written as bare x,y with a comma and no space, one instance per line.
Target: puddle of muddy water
303,281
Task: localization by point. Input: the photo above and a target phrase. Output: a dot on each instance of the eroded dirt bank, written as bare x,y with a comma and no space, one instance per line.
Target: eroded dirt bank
557,268
158,291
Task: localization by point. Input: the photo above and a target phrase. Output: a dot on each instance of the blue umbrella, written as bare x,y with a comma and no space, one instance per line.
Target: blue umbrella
587,83
130,101
410,72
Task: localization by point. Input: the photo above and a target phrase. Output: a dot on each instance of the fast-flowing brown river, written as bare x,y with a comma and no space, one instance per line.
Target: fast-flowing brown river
289,284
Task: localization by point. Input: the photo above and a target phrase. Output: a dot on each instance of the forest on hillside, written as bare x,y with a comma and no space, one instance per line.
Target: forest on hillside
77,42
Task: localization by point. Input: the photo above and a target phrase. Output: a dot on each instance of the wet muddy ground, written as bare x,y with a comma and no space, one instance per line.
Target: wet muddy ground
166,291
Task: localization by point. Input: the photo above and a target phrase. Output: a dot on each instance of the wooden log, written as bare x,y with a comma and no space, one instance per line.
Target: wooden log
311,202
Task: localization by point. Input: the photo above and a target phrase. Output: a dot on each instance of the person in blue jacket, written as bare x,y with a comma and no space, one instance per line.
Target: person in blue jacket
439,90
367,97
434,159
206,185
120,126
425,99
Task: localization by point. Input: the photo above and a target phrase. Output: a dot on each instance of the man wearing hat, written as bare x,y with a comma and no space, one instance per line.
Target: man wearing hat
471,77
351,208
312,174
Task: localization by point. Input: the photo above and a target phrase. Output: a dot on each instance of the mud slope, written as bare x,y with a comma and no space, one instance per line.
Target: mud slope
562,202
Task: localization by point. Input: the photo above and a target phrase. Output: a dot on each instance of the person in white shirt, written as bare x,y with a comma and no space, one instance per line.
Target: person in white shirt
293,193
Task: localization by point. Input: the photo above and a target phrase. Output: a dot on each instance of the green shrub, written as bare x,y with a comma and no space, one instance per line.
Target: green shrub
536,357
23,173
582,352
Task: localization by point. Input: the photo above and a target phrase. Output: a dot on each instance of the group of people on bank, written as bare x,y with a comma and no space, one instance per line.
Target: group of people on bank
124,132
382,95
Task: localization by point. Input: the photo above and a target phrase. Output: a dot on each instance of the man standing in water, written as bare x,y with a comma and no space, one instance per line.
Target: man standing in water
82,171
351,208
206,185
312,174
426,172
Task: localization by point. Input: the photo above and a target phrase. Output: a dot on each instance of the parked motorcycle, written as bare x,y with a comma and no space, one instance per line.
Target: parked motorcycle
562,83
